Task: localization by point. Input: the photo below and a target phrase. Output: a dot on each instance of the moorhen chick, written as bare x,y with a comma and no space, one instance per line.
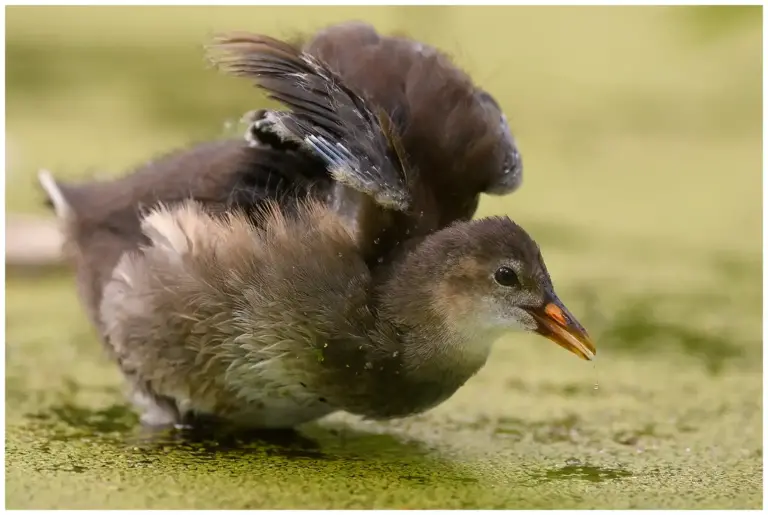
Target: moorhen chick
275,318
471,141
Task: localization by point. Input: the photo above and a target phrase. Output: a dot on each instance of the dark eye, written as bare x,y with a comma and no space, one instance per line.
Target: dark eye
505,276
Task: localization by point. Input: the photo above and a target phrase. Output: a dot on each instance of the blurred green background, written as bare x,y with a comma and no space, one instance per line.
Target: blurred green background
641,132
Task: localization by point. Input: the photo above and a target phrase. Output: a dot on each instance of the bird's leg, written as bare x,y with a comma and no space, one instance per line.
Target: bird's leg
155,411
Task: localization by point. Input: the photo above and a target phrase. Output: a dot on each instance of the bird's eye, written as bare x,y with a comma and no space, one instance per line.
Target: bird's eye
505,276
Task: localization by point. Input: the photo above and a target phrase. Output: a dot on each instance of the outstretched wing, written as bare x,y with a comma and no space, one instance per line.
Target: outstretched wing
359,142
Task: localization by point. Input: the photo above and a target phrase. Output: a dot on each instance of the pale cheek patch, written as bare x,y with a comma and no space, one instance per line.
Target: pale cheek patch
522,320
505,319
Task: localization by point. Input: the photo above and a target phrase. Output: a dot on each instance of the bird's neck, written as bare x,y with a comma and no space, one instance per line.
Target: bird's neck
434,346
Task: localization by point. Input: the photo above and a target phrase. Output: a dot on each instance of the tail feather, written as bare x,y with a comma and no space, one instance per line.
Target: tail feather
56,198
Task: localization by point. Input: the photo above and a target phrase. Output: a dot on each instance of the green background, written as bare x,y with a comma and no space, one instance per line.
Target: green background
640,128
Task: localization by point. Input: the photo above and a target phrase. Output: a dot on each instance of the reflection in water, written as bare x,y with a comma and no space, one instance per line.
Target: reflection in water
68,421
116,428
118,424
222,441
211,443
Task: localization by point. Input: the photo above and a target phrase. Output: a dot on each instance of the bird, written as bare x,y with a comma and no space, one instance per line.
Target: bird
273,316
236,175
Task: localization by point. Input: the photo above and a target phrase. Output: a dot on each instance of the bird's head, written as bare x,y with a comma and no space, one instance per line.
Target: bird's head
486,277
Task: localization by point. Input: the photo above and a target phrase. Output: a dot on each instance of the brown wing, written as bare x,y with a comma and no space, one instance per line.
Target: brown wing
454,132
359,142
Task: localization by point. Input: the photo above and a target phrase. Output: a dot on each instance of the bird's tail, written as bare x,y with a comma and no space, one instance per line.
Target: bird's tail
55,198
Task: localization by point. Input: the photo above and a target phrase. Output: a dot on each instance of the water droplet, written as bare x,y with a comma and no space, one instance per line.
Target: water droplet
325,344
573,462
380,260
360,348
394,354
368,365
597,383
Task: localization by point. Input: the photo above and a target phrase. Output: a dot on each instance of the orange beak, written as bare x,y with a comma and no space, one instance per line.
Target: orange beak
558,325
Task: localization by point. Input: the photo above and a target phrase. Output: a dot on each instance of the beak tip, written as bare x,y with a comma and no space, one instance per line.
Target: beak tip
566,332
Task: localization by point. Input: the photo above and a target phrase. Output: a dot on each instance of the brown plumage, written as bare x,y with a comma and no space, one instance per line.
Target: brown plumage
324,113
228,175
410,90
276,324
222,294
452,130
104,217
